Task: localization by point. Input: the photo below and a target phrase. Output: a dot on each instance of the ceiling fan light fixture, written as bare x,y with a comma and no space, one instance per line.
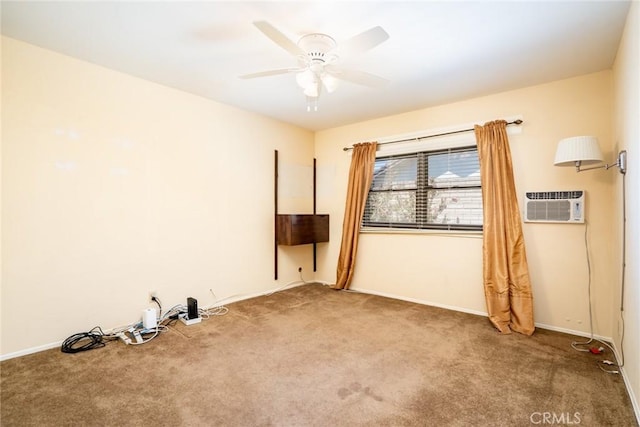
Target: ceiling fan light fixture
306,79
312,91
329,82
316,54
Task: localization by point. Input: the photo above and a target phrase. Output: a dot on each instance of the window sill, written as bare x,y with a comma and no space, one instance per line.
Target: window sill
477,234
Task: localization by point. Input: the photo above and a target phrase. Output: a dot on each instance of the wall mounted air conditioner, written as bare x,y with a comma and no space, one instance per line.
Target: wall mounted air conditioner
554,206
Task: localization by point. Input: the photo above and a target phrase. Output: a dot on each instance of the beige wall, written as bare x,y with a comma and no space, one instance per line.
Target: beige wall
627,137
109,190
113,186
447,270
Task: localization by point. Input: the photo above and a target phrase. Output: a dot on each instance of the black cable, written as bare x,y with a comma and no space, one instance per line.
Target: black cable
171,320
84,341
157,301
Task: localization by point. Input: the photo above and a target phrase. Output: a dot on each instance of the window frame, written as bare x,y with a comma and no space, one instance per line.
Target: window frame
421,193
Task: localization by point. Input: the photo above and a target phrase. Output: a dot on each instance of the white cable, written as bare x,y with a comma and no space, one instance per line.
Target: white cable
176,309
216,310
591,339
156,331
290,284
624,265
616,369
323,283
586,248
282,288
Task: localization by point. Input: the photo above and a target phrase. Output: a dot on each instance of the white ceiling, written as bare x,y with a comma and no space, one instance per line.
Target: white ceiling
438,51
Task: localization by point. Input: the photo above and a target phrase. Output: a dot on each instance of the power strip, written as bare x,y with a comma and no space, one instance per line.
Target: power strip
183,319
124,338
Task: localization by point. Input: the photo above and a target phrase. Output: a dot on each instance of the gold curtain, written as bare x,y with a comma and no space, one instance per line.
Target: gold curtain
507,286
360,177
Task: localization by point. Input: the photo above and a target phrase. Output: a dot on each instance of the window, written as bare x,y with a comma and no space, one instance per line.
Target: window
427,190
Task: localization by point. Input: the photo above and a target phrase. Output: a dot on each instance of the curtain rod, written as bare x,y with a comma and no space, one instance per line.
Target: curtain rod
515,122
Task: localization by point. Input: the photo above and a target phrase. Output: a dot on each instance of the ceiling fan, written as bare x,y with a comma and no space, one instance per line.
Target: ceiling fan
317,57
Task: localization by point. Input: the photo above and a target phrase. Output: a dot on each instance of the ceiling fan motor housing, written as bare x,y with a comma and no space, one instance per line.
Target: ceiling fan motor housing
316,53
316,46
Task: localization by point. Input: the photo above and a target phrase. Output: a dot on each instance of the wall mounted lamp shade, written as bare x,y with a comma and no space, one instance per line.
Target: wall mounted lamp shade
584,150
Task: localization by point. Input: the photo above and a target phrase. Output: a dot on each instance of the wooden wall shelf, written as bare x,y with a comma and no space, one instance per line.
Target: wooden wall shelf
293,230
302,229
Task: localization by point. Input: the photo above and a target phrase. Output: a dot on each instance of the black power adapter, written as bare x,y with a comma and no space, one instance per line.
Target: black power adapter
192,308
192,315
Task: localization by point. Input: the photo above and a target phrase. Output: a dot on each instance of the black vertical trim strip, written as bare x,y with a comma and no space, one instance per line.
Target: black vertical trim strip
314,212
275,216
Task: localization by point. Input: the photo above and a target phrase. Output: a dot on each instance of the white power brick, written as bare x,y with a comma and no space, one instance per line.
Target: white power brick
183,319
149,318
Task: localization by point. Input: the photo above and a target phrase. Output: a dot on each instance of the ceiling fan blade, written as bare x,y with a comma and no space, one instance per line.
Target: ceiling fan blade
363,42
271,73
280,39
357,77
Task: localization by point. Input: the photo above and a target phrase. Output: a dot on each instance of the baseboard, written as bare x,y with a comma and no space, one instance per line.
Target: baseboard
634,399
477,312
229,300
236,298
241,297
608,340
611,342
632,395
419,301
31,350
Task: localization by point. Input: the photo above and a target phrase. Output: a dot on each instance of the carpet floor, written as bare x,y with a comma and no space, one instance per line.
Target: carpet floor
312,356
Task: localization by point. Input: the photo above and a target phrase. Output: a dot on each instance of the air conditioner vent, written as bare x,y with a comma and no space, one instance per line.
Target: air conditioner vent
554,206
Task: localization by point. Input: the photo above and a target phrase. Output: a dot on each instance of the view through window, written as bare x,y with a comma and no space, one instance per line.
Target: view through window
426,190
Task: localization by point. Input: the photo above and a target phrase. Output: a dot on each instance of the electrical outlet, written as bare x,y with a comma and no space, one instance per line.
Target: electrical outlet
152,295
299,269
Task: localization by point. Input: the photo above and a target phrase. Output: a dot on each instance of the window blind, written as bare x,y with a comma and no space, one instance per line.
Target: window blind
426,190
